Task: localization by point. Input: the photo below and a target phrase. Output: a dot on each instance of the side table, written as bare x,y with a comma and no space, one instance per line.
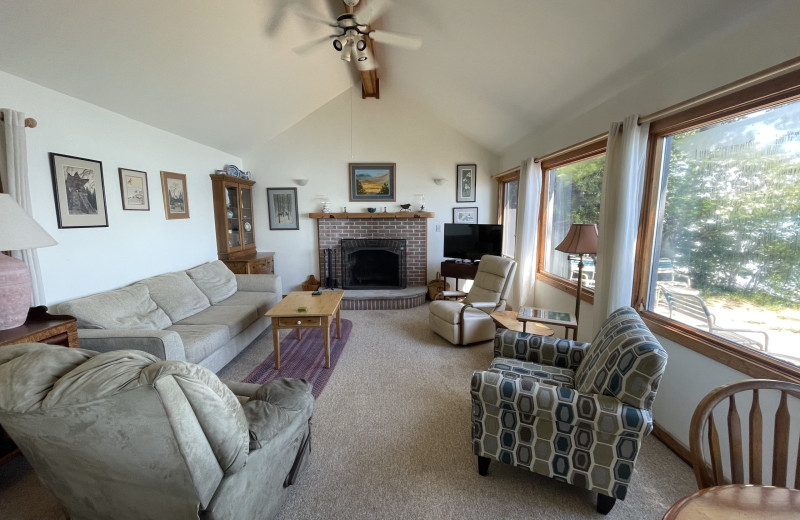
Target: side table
39,327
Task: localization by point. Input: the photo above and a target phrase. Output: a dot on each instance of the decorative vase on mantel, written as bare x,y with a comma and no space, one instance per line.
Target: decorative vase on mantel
326,207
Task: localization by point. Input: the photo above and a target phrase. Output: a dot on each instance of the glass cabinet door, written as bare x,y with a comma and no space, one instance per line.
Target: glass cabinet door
232,209
248,234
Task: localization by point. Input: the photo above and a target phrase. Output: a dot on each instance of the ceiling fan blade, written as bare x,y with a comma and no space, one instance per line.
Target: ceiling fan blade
303,49
302,12
398,40
372,11
277,18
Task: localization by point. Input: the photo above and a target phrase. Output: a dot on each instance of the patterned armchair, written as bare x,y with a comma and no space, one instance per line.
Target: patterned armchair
576,412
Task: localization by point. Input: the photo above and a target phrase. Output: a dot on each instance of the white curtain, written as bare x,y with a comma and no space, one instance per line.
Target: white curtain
15,164
620,206
528,199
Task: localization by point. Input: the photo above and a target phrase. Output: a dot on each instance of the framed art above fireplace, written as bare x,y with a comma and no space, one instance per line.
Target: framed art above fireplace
372,181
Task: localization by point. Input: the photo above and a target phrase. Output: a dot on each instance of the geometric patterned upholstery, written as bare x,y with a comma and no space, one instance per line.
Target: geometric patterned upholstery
577,423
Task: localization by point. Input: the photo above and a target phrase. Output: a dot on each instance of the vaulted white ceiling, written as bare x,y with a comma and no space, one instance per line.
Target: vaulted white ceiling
211,71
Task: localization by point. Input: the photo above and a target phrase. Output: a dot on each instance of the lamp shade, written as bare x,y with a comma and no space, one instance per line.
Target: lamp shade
18,230
581,239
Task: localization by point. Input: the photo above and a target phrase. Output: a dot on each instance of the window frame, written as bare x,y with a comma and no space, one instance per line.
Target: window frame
762,95
502,181
580,152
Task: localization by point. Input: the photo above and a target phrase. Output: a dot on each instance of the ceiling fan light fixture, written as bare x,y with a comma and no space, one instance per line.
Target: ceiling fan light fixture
347,51
361,44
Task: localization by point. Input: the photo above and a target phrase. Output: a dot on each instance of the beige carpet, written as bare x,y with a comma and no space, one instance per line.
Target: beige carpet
392,440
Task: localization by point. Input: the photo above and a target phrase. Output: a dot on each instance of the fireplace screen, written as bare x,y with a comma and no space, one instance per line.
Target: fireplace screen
373,263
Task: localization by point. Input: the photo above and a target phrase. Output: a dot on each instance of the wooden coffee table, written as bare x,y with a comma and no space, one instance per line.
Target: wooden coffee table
319,314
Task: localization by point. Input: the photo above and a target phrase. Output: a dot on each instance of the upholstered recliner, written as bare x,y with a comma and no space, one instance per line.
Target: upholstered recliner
468,321
125,435
576,412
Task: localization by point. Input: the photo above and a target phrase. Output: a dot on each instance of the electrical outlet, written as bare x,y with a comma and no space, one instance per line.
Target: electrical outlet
438,228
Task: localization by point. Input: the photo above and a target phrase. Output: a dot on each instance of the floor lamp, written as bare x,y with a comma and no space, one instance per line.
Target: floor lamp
18,231
581,240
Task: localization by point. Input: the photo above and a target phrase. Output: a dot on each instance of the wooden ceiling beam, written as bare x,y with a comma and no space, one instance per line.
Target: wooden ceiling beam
370,84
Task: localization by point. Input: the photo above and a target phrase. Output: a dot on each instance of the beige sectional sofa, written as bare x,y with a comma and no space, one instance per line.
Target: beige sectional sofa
204,315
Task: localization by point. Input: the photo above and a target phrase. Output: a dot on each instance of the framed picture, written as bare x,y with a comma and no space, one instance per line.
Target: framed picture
176,196
79,192
133,187
282,204
465,215
466,179
372,181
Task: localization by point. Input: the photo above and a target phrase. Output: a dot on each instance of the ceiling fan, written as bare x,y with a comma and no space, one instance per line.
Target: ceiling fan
352,31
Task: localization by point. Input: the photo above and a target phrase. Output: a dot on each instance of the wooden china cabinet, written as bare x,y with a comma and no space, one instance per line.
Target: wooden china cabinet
233,214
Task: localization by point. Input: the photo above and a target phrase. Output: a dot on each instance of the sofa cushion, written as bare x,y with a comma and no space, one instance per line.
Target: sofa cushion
177,294
235,317
200,341
215,280
261,301
547,374
129,307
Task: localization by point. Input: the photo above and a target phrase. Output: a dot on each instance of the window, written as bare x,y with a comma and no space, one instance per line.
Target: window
723,270
573,196
508,190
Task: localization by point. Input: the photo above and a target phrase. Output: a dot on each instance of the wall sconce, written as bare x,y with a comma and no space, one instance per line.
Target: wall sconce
301,182
439,181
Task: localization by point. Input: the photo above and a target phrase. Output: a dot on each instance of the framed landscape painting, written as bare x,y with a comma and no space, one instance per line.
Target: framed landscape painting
466,179
79,192
133,187
282,204
465,215
176,197
372,181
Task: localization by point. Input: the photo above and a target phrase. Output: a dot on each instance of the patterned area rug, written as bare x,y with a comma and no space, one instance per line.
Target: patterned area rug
304,359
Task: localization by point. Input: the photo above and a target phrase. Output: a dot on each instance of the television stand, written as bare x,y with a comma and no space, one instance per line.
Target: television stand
459,271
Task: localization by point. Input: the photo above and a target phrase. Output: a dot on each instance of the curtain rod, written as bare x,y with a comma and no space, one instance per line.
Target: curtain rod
29,121
586,142
758,77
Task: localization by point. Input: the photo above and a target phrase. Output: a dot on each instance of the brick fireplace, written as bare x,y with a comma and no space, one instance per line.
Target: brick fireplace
409,226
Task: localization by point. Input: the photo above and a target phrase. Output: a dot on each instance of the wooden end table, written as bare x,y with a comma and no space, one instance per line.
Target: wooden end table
39,327
319,314
508,320
561,319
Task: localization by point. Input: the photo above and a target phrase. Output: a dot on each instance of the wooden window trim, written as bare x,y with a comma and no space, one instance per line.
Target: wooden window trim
502,179
571,155
763,95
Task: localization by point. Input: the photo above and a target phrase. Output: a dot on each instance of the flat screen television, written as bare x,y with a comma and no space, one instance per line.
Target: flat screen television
472,241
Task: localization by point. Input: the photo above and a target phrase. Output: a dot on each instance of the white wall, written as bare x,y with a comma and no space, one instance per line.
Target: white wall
740,53
390,129
137,243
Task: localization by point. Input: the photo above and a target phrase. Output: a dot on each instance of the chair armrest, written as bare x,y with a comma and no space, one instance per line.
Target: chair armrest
450,294
259,283
560,404
715,327
274,406
545,350
164,344
487,307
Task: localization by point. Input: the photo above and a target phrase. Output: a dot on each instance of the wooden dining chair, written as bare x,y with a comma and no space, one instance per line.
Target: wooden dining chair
703,433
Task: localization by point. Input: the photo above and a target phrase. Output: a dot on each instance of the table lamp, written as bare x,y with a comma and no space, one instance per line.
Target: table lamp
17,231
581,240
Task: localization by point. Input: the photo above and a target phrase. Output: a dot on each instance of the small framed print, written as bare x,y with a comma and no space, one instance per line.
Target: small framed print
79,192
466,181
133,187
465,215
176,196
372,181
282,205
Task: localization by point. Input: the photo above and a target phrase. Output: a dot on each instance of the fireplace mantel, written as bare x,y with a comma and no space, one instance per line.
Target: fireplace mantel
359,215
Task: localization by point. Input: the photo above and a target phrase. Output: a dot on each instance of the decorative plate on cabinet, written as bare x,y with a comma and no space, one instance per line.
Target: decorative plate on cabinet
233,171
247,226
230,213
